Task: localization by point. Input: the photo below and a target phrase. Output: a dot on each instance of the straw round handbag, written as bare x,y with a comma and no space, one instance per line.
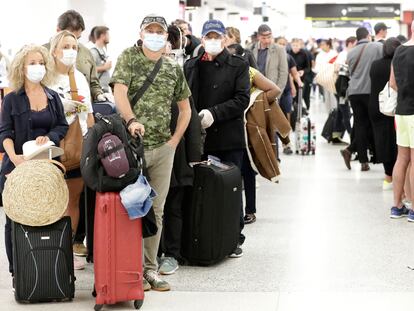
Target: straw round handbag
35,193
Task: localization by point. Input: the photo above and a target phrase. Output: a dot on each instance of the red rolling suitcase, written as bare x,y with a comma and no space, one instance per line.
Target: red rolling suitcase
117,253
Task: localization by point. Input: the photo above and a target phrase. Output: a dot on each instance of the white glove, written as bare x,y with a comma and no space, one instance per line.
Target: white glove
109,97
101,98
207,118
105,97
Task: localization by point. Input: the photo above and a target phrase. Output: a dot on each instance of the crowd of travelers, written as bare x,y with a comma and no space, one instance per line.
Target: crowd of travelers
195,108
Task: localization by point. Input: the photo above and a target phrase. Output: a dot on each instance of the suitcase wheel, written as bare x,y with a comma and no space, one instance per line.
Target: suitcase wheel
138,304
98,307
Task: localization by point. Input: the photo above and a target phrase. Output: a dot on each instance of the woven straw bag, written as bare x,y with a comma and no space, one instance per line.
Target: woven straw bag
35,193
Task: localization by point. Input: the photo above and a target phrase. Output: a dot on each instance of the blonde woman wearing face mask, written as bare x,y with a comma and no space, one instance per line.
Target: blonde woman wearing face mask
31,112
63,48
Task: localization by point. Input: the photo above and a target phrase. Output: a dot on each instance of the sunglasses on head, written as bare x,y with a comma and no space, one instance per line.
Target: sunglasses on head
154,19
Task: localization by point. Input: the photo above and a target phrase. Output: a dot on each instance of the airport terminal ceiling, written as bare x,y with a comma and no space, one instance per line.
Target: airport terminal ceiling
287,18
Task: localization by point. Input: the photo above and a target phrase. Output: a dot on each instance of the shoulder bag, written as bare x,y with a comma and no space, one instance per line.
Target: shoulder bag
73,141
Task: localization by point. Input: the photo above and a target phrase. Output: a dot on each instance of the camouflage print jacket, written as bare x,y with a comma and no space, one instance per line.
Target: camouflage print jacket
153,110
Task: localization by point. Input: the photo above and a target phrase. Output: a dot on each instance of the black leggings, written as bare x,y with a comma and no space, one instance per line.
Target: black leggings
388,167
8,242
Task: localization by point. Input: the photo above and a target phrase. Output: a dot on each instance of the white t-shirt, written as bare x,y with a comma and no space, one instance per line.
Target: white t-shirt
323,58
62,87
341,59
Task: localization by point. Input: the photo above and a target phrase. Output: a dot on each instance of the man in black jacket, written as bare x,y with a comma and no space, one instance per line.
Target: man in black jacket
220,86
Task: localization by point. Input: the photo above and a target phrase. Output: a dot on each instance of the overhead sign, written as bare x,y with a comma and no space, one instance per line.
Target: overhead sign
336,24
344,12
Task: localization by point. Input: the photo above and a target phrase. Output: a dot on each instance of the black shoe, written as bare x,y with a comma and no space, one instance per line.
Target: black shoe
364,167
346,154
249,219
287,150
237,253
338,141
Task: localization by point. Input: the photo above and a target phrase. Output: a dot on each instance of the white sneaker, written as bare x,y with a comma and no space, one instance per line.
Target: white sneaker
386,185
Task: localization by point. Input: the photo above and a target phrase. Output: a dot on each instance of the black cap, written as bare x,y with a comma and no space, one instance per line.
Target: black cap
380,26
263,28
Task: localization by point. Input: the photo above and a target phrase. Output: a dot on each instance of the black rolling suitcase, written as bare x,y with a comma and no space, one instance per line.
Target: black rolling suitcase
43,262
328,128
211,227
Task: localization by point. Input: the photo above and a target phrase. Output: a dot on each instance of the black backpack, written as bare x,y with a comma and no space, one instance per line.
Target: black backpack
92,170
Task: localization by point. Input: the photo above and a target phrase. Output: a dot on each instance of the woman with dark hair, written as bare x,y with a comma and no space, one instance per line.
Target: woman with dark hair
176,43
382,125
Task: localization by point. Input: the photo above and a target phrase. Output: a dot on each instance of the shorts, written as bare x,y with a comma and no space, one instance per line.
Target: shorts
285,102
405,130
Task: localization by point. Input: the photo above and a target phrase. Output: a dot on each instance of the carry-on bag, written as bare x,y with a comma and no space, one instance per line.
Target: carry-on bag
117,253
329,126
305,131
211,225
43,262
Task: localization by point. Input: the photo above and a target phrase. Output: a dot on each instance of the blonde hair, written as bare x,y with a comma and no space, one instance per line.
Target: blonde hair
16,72
233,32
57,39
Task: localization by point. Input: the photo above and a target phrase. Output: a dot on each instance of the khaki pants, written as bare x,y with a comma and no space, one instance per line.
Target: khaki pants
159,164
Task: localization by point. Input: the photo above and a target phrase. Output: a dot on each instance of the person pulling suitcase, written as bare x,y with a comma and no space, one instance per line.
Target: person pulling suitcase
220,87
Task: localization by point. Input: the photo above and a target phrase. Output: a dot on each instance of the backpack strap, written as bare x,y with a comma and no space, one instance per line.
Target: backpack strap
102,56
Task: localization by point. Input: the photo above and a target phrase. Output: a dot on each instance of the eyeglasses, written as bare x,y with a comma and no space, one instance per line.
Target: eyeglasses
154,19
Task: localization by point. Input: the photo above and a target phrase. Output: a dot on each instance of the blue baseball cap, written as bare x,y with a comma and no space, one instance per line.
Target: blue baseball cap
213,25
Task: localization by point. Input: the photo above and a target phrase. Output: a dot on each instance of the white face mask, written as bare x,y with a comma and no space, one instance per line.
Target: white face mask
35,73
69,57
213,46
154,42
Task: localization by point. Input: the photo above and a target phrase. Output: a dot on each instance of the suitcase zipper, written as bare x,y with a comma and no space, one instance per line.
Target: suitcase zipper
26,234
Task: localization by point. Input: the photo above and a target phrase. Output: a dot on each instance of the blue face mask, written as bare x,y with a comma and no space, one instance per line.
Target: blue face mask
154,42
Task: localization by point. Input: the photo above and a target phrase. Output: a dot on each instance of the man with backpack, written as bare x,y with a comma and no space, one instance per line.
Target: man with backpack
145,84
98,51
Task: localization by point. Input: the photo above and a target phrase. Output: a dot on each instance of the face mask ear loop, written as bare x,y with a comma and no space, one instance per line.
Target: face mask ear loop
181,40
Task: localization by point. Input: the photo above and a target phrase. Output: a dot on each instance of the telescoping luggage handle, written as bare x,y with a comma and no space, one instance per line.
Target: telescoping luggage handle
300,107
212,161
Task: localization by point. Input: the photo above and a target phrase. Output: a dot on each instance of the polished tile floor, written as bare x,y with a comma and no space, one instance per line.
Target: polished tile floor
323,240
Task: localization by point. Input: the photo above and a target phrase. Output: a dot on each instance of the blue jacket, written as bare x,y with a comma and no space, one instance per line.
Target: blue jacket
15,123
